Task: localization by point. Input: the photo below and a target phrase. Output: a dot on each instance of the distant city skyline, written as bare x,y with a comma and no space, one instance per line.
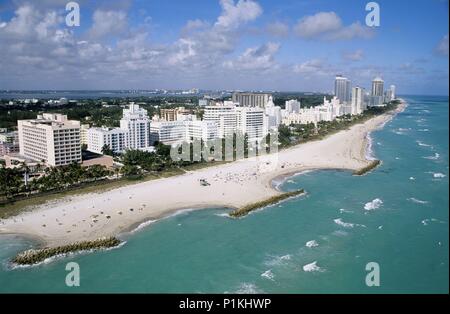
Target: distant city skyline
287,45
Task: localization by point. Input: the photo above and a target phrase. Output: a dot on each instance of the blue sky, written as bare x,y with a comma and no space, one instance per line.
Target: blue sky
288,45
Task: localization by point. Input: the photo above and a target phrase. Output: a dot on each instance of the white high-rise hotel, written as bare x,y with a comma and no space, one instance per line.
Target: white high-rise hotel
137,122
134,132
50,138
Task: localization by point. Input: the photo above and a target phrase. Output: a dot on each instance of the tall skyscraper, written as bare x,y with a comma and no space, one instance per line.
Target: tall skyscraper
377,87
137,122
358,100
393,92
342,89
377,95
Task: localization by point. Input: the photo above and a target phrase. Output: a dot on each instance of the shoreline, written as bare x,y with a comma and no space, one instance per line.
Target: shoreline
153,205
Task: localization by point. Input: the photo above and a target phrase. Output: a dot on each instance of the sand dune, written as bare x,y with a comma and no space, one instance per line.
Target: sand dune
90,216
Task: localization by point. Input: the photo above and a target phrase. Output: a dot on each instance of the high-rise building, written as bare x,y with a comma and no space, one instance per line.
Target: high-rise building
358,101
393,92
50,138
251,122
225,116
84,134
342,89
251,99
273,114
377,95
377,87
116,139
168,132
137,122
292,106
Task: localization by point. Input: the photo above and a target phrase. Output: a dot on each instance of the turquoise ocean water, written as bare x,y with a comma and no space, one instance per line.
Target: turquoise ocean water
396,216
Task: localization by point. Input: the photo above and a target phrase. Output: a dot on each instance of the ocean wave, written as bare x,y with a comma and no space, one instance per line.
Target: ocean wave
423,130
427,221
435,157
343,210
437,175
247,288
341,223
370,155
420,143
143,225
375,204
278,260
312,267
268,274
312,243
412,178
226,215
415,200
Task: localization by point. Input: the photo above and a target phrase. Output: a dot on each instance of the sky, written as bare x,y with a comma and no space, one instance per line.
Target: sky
283,45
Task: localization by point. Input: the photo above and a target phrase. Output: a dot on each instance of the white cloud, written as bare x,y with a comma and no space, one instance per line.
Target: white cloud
233,15
357,55
329,26
442,47
257,58
278,29
314,67
108,23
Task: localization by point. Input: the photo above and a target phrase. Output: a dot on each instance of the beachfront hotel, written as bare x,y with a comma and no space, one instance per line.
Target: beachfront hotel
136,121
116,139
50,138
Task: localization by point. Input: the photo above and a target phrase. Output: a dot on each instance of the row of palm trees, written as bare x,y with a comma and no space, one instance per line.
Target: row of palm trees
16,182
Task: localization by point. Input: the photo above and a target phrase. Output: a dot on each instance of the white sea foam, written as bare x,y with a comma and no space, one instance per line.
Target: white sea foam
143,225
268,274
226,215
343,210
420,143
278,260
312,243
435,157
369,150
437,175
312,267
415,200
247,288
427,221
423,130
375,204
412,178
341,223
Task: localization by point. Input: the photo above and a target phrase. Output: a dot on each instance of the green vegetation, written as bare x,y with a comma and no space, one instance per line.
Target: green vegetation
367,168
12,185
33,256
243,211
300,133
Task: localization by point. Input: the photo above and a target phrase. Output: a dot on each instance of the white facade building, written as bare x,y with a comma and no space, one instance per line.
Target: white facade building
292,106
273,113
168,132
225,116
116,139
251,99
137,122
358,101
51,138
252,122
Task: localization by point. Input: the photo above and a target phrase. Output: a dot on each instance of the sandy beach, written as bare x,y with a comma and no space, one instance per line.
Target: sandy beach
233,185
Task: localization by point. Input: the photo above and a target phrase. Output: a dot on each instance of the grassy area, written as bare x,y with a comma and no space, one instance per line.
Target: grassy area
243,211
32,257
367,168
